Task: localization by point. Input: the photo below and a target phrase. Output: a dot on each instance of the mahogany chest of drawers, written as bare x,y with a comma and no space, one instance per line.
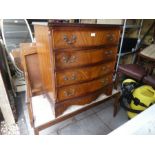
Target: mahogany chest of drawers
76,62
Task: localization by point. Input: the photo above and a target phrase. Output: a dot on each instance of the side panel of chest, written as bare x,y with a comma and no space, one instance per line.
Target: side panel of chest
46,57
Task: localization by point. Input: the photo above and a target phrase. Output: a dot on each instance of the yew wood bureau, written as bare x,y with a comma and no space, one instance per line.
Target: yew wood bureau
76,61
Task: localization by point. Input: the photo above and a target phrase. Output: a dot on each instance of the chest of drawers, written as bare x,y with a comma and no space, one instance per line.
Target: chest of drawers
76,62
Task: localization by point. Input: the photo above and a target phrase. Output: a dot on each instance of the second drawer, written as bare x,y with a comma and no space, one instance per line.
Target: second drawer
71,59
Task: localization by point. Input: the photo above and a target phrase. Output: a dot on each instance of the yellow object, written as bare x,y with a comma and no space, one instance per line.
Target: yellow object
146,95
128,81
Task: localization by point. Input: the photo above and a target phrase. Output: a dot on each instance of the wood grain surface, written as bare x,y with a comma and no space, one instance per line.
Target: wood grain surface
84,38
84,74
76,60
83,89
84,57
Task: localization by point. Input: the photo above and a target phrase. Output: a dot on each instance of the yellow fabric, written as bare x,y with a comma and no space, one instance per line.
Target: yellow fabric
146,95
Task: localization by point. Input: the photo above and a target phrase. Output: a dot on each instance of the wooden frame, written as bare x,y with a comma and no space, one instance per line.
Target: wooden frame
37,129
151,62
28,50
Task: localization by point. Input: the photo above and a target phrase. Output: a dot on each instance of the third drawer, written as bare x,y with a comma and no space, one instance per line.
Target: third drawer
72,76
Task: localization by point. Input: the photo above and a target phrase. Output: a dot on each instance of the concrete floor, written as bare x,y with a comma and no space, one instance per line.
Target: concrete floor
95,121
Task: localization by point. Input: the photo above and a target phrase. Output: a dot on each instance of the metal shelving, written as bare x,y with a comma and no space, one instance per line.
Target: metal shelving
125,26
126,53
132,26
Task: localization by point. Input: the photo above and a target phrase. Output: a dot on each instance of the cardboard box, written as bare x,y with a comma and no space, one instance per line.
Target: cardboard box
88,21
110,21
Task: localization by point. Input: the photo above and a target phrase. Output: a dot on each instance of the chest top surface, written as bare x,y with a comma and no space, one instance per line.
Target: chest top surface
74,25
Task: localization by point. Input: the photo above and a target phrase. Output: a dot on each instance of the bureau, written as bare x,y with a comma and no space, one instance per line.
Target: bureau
76,61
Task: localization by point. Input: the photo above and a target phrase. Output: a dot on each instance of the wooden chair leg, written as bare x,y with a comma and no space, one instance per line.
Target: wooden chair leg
116,104
116,81
36,131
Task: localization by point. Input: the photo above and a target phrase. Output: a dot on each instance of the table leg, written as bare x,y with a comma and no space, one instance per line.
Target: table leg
36,131
116,104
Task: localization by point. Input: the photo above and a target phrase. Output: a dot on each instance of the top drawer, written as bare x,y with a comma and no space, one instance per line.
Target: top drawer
84,38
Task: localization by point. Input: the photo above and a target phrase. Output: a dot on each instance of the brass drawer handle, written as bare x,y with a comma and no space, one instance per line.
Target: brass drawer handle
109,52
65,78
70,41
73,77
104,81
110,37
70,92
104,68
66,59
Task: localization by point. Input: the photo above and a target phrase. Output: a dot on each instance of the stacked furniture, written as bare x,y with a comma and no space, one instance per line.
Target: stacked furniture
143,68
39,107
149,54
76,62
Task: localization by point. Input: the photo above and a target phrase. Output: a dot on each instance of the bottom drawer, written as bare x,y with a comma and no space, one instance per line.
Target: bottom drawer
60,107
72,91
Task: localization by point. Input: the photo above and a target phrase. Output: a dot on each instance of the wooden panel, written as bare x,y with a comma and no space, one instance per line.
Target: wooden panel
78,26
72,76
84,38
33,71
30,63
46,59
83,89
17,57
84,57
